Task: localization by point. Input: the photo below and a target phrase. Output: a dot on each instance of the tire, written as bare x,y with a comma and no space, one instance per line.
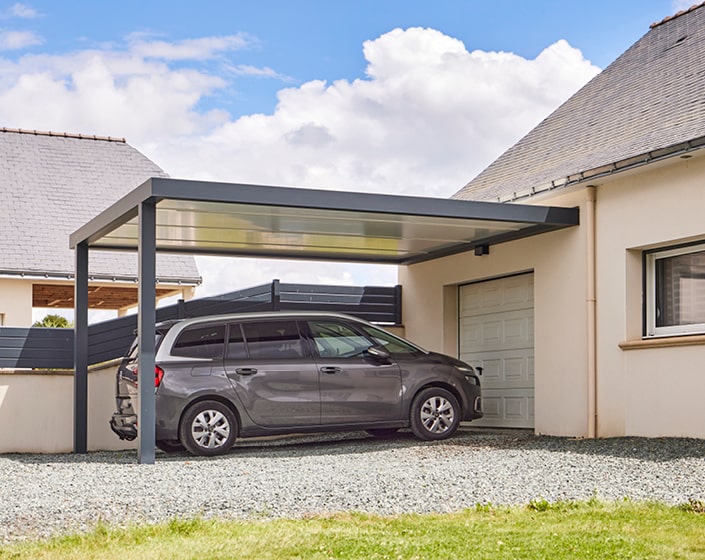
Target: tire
170,445
208,428
383,433
435,414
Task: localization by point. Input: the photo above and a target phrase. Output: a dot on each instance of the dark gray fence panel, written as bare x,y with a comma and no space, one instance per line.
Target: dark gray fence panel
36,348
53,348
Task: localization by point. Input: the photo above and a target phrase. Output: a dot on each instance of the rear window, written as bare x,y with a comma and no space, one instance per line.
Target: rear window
200,342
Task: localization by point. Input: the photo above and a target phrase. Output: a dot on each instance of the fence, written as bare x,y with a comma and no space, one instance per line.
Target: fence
43,348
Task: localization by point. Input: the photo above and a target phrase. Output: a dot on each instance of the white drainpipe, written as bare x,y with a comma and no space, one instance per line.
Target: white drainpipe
591,311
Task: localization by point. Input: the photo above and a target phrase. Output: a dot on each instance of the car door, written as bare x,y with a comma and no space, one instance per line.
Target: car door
272,372
355,386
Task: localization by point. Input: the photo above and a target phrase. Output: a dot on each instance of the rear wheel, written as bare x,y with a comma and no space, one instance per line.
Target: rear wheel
208,428
435,414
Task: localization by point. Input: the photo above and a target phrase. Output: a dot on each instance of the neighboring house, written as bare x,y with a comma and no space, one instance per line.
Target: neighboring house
50,185
598,329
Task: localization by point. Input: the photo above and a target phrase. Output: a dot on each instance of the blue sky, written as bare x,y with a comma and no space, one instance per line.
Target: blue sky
391,96
291,42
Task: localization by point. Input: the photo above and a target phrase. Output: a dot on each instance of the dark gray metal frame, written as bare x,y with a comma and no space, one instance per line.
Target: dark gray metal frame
142,203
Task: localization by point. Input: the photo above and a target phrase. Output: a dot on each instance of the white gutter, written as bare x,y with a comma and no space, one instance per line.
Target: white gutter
35,275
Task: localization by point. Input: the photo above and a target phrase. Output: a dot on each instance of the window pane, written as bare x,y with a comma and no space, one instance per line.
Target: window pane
680,290
201,342
390,342
236,343
273,340
336,340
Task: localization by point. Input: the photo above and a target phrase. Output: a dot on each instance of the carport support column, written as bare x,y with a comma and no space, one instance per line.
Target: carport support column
80,351
145,324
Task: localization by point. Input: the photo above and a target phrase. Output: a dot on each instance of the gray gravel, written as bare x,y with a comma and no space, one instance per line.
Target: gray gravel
42,495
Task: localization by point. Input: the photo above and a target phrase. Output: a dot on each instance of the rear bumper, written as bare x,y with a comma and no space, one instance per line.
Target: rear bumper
124,425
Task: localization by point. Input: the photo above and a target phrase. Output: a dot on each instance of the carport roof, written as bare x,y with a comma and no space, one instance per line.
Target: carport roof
263,221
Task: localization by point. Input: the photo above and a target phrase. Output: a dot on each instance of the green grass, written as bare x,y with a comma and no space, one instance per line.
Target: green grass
540,530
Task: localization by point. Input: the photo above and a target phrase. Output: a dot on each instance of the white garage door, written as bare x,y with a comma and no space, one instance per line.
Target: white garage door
497,333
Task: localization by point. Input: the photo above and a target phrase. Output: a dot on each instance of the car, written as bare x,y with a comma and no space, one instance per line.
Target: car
220,378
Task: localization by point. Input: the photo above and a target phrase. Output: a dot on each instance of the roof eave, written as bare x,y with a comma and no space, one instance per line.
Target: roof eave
609,169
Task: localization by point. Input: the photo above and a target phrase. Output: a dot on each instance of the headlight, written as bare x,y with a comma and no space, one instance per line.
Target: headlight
472,379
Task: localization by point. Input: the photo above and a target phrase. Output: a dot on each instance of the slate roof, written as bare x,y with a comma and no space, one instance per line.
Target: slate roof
53,183
649,99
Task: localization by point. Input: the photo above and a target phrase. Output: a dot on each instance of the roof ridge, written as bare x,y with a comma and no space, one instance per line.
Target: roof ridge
678,14
63,134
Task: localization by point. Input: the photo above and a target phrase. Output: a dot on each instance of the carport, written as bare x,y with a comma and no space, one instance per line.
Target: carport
239,220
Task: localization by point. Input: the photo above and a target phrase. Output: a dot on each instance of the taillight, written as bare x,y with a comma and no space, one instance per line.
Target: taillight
158,376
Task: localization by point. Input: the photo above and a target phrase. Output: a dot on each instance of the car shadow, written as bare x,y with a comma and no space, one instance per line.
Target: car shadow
358,443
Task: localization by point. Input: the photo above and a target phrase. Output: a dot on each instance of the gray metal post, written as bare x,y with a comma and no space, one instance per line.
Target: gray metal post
145,324
80,351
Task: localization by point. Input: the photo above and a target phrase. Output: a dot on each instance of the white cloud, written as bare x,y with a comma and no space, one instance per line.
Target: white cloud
266,72
428,116
21,11
678,5
189,49
15,40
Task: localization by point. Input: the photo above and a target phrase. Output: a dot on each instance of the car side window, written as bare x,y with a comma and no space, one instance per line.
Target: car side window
393,345
200,342
273,340
236,343
337,340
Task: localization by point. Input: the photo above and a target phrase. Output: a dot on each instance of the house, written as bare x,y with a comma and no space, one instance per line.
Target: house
596,330
50,184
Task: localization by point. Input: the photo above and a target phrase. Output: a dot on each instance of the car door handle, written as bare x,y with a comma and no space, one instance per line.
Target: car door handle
330,370
246,371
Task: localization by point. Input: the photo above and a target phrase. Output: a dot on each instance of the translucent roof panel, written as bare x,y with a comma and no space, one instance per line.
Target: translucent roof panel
250,220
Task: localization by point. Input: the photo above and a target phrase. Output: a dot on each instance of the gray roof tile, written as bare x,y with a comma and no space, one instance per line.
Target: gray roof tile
650,98
51,184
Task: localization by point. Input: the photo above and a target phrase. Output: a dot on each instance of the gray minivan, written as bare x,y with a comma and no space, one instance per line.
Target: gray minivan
224,377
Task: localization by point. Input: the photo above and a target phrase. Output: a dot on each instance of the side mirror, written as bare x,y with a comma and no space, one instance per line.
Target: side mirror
379,352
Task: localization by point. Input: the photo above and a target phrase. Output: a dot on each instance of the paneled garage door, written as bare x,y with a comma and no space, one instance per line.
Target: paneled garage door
497,333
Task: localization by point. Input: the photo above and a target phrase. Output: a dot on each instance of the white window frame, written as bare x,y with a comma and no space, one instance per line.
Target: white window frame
650,260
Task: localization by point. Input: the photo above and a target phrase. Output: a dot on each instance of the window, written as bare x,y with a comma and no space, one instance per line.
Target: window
675,291
336,340
200,342
395,346
273,340
236,343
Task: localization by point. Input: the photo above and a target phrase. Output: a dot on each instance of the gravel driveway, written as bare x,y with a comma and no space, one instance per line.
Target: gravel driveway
48,494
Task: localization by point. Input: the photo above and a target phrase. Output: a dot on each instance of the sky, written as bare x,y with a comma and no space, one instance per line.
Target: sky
403,97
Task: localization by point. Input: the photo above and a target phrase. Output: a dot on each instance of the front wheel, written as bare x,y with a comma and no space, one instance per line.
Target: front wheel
435,414
208,428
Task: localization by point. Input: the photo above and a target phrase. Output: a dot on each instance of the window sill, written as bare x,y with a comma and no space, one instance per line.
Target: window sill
663,342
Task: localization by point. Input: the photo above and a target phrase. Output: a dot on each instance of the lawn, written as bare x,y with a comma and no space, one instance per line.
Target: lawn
540,530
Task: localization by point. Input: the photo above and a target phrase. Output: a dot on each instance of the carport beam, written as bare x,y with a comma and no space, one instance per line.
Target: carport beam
145,324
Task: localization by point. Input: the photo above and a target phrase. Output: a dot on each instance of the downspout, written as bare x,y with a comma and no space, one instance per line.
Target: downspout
591,310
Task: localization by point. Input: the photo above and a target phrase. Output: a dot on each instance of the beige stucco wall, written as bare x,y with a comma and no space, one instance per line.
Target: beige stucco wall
558,261
16,302
641,389
36,412
645,391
